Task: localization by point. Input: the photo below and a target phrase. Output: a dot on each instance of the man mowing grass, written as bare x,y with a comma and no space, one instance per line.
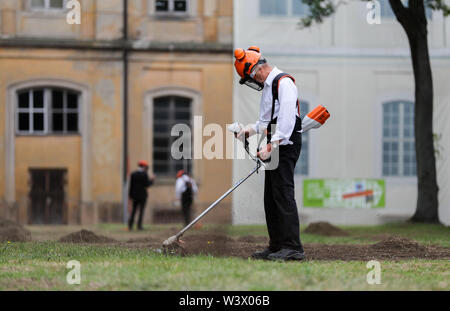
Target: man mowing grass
280,107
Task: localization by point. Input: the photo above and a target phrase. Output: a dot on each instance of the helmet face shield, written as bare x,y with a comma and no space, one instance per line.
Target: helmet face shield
258,86
247,64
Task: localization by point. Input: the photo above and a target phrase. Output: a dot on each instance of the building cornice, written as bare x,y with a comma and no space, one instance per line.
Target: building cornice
115,45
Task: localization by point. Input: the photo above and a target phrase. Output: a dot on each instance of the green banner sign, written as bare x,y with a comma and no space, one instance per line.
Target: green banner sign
350,193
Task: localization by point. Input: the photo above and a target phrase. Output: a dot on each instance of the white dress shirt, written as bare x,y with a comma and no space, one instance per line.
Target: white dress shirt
180,185
286,111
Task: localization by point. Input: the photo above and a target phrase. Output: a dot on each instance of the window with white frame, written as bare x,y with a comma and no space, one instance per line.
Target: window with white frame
283,8
302,166
386,10
47,4
171,7
399,155
168,111
42,111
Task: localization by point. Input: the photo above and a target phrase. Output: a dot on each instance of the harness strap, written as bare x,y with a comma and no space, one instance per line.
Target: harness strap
275,89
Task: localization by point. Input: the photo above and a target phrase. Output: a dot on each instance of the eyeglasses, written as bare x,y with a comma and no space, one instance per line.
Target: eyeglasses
254,71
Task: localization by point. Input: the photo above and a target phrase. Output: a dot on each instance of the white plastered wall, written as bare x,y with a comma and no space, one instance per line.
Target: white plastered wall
351,68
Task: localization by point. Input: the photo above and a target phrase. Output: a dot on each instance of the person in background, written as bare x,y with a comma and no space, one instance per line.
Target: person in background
139,182
185,190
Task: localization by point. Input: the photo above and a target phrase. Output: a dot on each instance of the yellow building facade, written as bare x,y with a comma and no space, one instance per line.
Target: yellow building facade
63,148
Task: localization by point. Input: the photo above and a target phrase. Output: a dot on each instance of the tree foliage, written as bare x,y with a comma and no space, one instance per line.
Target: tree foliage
321,9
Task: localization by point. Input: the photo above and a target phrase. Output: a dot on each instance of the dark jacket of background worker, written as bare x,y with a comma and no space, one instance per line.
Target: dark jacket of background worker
185,190
139,182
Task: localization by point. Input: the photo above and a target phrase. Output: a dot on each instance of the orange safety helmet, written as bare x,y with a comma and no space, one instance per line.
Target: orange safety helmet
180,173
143,163
245,62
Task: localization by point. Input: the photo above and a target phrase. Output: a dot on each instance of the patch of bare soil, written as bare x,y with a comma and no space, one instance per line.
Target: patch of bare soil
85,236
216,245
393,248
222,245
253,239
13,232
325,228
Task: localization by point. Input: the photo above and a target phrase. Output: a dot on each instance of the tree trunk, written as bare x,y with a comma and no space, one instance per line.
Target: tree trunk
414,22
427,200
416,29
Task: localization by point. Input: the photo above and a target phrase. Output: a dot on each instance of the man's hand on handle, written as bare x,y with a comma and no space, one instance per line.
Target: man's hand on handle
246,132
264,152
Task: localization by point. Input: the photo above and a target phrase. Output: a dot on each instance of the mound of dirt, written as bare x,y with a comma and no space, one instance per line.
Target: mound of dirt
13,232
85,236
398,244
325,228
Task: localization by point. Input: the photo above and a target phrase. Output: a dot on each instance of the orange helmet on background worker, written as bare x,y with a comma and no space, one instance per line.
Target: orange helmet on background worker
246,65
143,163
180,173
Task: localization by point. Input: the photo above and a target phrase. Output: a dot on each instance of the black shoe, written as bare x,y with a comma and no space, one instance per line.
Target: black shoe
263,254
286,254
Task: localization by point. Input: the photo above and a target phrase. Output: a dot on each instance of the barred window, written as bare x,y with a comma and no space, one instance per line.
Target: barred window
399,156
171,7
302,166
168,111
42,111
47,4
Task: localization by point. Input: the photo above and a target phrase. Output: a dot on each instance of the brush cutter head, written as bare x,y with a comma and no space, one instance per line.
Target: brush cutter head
170,241
172,246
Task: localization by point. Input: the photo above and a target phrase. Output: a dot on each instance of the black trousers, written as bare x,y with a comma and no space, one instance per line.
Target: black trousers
137,205
186,205
279,199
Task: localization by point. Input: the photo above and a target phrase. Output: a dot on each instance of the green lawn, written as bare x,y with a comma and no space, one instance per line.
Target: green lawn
42,265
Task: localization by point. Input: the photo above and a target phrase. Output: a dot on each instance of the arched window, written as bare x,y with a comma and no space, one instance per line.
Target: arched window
168,111
43,111
399,155
302,167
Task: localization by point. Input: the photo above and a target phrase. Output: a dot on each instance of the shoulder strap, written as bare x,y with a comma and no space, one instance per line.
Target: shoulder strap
275,88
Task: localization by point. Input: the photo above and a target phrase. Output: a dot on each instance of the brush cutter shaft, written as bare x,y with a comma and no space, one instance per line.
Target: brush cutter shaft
259,163
239,182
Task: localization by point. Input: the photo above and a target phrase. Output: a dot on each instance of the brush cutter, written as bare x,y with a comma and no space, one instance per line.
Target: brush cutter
314,119
235,129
